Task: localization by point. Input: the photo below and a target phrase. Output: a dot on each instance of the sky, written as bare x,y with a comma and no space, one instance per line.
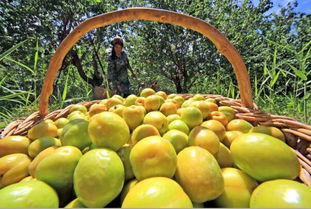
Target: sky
303,5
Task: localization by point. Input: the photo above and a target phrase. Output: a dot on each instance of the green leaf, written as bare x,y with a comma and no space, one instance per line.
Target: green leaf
283,73
5,115
298,73
274,79
6,97
280,45
9,51
64,95
305,46
20,64
255,86
14,93
2,80
12,100
265,69
306,96
3,124
74,99
306,57
36,56
274,61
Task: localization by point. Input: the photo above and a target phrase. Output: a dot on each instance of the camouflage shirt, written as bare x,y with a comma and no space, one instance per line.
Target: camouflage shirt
118,72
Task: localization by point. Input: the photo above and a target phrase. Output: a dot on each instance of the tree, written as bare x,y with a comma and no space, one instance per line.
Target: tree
49,22
180,58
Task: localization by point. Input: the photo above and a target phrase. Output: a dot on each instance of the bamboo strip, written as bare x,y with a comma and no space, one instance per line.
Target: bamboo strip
305,131
302,157
305,165
305,177
293,123
297,133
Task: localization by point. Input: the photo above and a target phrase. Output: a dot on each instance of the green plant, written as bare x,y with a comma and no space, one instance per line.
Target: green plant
299,73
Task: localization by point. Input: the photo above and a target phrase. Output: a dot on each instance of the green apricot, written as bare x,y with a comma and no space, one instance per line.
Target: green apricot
29,194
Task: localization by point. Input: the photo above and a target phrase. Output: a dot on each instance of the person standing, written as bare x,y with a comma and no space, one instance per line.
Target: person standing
118,66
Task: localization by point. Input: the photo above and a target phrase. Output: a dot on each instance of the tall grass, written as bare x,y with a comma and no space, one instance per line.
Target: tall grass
16,95
70,88
271,90
271,87
21,103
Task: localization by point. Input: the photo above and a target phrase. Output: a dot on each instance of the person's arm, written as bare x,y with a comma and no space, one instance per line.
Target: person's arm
111,67
129,66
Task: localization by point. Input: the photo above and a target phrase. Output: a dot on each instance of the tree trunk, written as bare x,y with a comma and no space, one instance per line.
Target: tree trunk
96,80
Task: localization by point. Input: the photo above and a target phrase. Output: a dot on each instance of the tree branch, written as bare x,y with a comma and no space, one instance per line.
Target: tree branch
97,56
77,62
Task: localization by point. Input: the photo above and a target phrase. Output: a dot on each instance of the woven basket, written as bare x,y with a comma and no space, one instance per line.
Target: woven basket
298,135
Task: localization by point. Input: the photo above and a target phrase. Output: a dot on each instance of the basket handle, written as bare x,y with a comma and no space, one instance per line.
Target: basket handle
158,15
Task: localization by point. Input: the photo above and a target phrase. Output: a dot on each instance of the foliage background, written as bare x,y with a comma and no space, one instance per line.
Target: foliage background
275,47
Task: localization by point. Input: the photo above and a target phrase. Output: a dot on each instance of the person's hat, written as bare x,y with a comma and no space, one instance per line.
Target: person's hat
117,40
